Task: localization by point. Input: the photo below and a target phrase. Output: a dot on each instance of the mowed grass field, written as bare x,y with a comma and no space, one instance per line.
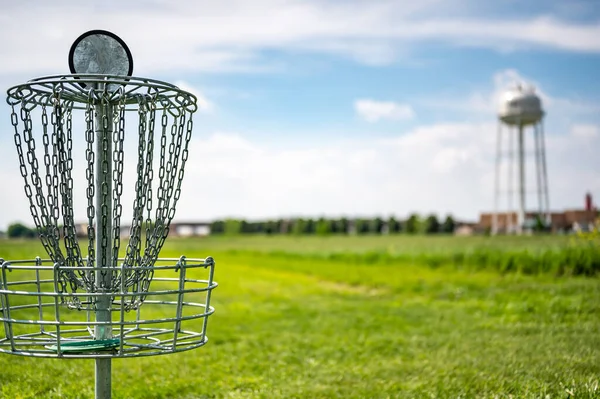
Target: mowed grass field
365,317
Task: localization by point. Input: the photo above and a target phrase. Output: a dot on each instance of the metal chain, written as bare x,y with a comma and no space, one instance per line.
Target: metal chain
49,185
52,213
104,190
51,247
65,165
91,188
133,256
118,158
69,216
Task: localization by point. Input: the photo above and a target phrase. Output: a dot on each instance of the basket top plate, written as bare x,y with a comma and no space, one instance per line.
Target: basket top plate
100,52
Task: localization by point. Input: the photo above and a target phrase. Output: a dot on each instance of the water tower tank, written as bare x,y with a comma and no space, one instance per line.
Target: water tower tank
520,106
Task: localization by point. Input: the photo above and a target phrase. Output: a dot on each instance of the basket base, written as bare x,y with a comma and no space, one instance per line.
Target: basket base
37,320
86,346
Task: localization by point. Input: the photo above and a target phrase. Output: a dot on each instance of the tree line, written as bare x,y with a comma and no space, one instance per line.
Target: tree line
414,224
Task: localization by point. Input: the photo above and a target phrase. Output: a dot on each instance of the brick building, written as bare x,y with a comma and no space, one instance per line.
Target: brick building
567,220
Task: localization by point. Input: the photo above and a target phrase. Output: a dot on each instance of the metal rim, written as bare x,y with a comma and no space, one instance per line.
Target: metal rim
81,89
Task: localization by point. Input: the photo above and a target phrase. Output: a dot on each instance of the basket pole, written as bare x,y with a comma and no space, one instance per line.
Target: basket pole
104,240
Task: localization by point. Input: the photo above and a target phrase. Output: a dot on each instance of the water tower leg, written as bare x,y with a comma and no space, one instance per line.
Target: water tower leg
544,174
103,241
497,180
521,214
511,181
538,171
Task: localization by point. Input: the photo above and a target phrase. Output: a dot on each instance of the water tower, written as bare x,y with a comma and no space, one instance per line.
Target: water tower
520,111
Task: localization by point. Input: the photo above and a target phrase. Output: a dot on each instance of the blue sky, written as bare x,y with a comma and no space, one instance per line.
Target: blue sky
339,108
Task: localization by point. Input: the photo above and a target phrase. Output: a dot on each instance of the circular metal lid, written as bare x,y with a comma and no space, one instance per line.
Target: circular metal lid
100,52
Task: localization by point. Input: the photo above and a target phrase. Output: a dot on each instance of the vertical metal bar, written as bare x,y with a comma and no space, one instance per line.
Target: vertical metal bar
538,170
521,215
138,316
6,308
88,314
38,262
103,242
122,312
211,262
497,179
545,174
181,265
57,307
511,180
2,304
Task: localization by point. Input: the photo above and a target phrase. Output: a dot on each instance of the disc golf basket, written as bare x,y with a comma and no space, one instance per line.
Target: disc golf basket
93,296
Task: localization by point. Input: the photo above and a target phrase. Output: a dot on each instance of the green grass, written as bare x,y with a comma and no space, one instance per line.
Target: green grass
309,317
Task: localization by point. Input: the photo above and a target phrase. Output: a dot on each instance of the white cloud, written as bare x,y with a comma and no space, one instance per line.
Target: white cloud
437,168
373,111
443,168
585,131
206,35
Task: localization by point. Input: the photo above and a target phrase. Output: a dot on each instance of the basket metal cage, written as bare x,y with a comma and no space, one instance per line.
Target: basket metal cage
41,320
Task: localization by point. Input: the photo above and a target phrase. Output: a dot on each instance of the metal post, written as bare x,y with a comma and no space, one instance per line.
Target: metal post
521,214
544,173
497,180
511,181
538,171
103,241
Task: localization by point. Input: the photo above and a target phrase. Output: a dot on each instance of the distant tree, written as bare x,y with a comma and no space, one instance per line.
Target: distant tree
449,225
18,230
270,227
258,227
298,226
334,226
362,226
401,226
432,225
310,227
411,226
284,226
393,225
233,226
540,225
324,227
217,227
376,225
277,226
341,226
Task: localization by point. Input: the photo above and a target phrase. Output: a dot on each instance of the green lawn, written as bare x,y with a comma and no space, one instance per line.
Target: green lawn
291,322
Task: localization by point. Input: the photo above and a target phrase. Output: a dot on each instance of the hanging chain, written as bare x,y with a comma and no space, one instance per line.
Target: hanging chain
65,166
49,186
133,248
118,158
52,212
91,188
104,171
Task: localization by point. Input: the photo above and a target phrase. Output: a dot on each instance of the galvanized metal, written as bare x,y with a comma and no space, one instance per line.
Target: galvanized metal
49,183
55,307
102,52
35,318
104,249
